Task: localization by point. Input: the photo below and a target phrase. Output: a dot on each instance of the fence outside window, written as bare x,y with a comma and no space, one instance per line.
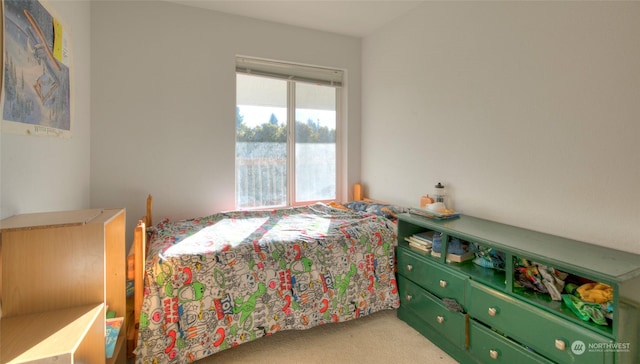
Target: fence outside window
261,173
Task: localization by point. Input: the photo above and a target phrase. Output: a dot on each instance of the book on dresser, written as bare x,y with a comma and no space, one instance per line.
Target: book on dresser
458,258
422,241
420,247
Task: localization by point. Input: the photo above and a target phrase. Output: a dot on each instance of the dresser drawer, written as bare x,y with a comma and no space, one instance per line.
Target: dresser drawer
431,310
555,338
435,277
491,347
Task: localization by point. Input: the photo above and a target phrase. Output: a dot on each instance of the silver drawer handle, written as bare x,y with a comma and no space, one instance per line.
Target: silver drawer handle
492,311
493,354
409,267
560,344
440,319
443,283
409,297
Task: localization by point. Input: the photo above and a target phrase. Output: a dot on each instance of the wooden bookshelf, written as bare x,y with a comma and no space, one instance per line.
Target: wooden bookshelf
58,273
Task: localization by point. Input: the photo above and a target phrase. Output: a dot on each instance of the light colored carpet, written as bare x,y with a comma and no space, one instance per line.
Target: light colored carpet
378,338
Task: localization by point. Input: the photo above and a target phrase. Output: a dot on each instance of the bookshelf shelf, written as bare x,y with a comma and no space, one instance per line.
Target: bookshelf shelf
58,335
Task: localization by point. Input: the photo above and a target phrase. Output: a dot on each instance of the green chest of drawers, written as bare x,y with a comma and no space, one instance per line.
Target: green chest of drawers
497,320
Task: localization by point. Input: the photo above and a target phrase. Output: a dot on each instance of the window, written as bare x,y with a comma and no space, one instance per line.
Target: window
286,124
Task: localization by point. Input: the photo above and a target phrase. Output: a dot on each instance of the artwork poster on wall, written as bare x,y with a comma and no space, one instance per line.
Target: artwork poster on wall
36,95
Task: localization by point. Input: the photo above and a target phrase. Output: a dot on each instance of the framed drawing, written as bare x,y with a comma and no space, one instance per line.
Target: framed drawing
36,97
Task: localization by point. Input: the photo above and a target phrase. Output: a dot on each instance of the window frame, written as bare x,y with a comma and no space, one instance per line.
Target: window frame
336,82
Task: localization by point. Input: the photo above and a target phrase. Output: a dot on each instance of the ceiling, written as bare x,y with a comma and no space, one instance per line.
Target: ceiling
357,18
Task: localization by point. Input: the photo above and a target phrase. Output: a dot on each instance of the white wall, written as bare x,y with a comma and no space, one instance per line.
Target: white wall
41,174
528,111
163,101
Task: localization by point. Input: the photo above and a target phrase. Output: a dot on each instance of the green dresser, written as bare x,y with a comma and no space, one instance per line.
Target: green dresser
499,319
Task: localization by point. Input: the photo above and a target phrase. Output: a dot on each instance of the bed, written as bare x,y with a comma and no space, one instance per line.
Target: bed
214,282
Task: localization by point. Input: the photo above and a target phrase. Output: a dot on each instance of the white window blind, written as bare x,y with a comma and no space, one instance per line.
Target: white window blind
290,71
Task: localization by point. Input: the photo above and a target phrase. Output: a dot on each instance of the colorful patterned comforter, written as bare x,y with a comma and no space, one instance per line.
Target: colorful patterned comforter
218,281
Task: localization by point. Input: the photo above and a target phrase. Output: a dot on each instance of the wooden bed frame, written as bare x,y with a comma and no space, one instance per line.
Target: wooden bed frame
136,262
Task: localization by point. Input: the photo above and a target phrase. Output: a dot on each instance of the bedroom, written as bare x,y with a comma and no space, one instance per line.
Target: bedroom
527,111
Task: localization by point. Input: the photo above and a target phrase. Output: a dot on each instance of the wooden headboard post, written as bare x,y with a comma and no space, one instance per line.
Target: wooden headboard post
357,192
148,217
